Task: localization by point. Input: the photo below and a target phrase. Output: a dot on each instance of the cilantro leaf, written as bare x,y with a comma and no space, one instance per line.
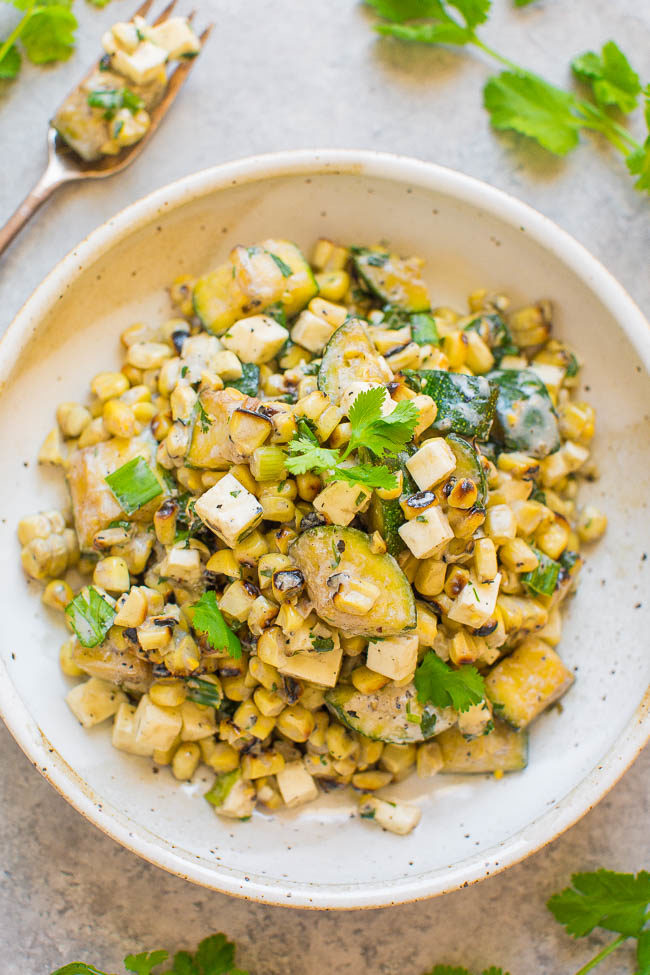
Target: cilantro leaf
10,63
207,619
445,33
78,968
90,617
401,10
643,953
638,163
214,956
441,685
305,456
183,965
48,34
144,962
615,901
613,80
440,28
529,105
370,476
381,434
492,970
449,970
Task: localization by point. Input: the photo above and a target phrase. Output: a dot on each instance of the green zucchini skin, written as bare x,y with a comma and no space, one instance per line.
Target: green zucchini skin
250,379
387,516
468,464
336,372
525,418
391,279
502,750
495,332
466,404
320,552
392,714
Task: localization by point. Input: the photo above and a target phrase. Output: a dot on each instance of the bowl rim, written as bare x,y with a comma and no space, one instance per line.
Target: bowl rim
401,169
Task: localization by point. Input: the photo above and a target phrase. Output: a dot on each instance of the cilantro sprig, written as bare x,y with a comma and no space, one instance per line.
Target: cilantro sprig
439,684
214,956
45,33
381,435
207,619
522,101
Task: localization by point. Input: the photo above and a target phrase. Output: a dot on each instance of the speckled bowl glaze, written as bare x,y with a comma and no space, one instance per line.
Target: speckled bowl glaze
471,235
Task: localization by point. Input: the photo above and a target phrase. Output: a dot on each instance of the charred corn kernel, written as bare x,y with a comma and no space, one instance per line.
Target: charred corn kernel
136,394
132,608
161,424
485,559
427,412
430,577
293,357
277,509
57,594
67,655
312,697
341,435
427,625
132,374
518,556
263,673
389,494
577,421
296,723
592,524
183,402
398,759
457,579
308,485
109,385
340,743
259,766
112,574
333,285
148,355
465,523
321,724
262,614
478,356
118,418
369,752
344,767
353,645
190,479
165,520
52,449
387,339
531,325
251,549
285,488
553,538
251,721
73,418
168,692
269,564
518,464
454,346
241,472
177,440
218,755
154,637
268,793
268,702
463,649
371,780
267,464
181,294
138,332
463,493
328,256
327,422
235,689
312,405
248,430
284,425
168,377
529,515
224,563
429,759
367,681
186,760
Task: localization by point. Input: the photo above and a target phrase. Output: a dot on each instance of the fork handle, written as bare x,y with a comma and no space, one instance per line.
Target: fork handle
43,189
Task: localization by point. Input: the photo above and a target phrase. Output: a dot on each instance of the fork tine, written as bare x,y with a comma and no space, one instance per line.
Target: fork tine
177,78
190,17
206,33
165,14
143,10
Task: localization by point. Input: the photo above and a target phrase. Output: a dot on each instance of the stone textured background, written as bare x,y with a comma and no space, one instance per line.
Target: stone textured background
284,74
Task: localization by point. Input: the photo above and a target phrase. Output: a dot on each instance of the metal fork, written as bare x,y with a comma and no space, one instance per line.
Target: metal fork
64,165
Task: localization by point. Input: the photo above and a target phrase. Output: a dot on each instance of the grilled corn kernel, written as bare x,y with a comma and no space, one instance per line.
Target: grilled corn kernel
277,509
553,538
57,594
429,759
367,681
389,494
332,285
341,435
531,325
427,625
317,737
454,346
463,493
340,743
369,752
430,577
485,559
148,355
186,760
500,524
251,549
398,759
457,579
94,433
112,574
296,723
577,421
463,649
371,780
592,524
73,418
518,464
118,418
478,356
235,689
67,654
353,645
218,755
268,702
190,479
518,556
168,692
263,673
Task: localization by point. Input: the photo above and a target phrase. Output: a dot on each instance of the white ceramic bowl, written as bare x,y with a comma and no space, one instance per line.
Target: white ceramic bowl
472,236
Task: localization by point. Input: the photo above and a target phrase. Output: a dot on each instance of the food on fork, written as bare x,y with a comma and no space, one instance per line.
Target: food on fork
111,109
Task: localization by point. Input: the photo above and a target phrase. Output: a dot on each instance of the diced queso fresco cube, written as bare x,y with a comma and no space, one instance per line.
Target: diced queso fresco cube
434,461
256,339
428,533
395,657
229,509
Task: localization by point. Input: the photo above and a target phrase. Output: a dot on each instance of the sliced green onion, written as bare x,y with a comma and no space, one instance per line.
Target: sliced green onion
267,464
424,330
203,691
133,485
543,579
219,792
91,618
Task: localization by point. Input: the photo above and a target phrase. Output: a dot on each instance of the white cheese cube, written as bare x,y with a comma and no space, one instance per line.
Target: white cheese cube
550,375
311,331
198,721
109,43
142,65
199,354
236,601
94,701
239,802
227,365
393,816
182,565
395,658
256,339
176,36
126,36
356,596
317,668
351,392
124,731
427,534
340,501
296,784
476,602
156,727
500,523
229,509
434,461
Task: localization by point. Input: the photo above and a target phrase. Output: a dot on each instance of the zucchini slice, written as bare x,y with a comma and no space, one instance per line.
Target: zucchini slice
495,333
394,280
218,300
392,714
466,404
525,418
524,684
502,750
249,382
300,283
323,551
468,464
349,357
385,516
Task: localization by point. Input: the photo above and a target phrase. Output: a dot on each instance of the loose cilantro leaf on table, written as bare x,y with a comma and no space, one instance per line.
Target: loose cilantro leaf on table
45,31
527,104
207,619
439,684
144,962
604,899
78,968
613,79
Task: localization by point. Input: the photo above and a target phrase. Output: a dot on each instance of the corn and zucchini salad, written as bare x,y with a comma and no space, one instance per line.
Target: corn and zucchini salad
320,531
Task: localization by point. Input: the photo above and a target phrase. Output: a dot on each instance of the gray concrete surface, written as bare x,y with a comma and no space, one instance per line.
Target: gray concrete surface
282,74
